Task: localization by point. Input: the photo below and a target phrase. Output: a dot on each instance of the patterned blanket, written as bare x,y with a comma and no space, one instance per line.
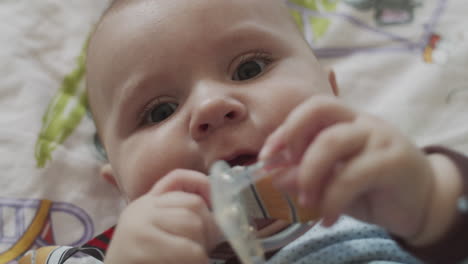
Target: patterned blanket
403,60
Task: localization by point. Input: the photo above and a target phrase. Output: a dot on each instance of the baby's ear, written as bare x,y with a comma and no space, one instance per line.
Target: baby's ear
108,174
333,83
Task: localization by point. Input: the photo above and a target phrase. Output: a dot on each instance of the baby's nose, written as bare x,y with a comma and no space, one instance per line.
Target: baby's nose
215,113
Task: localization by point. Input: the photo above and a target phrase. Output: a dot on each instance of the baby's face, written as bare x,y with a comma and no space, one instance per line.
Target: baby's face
183,83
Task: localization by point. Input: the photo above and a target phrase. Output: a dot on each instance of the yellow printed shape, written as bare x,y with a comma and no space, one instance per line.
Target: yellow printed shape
319,25
30,235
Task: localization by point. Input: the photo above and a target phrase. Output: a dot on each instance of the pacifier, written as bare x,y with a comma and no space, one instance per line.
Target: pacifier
242,194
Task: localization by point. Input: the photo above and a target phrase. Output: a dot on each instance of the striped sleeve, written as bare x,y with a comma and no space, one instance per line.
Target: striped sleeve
90,253
56,255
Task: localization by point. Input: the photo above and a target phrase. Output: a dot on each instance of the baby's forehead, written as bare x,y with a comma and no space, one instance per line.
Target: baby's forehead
190,6
128,18
125,17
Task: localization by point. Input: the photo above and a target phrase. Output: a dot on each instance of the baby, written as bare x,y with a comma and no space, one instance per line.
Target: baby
176,85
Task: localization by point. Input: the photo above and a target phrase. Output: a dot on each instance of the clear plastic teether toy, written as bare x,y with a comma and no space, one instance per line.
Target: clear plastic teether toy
228,192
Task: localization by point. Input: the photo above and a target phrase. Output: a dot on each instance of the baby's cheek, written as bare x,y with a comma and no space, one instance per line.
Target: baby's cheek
142,175
148,163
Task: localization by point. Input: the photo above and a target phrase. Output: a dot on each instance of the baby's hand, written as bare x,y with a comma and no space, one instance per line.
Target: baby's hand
353,163
169,224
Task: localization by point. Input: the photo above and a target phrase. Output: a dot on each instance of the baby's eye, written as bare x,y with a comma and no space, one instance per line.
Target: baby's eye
160,112
249,69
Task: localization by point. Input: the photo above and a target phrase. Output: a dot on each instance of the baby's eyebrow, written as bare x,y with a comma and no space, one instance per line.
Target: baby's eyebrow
243,34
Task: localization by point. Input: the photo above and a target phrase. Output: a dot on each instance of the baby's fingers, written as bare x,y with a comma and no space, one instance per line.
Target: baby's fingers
332,148
348,189
186,214
198,227
304,124
185,181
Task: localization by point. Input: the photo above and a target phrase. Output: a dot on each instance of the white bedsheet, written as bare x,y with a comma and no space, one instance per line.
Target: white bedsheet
380,69
39,43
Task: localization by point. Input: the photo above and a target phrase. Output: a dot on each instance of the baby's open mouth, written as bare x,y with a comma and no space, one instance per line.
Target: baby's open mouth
243,160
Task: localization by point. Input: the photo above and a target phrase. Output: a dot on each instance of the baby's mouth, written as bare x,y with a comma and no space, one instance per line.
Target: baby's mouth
243,160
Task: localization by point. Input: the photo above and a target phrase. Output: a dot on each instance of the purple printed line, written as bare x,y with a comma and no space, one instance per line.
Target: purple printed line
81,215
428,28
19,203
8,240
19,219
1,223
340,52
409,46
352,20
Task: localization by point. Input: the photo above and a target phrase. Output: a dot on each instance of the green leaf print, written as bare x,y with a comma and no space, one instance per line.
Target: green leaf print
64,112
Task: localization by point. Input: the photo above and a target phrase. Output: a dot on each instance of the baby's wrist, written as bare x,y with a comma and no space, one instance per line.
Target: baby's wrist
442,210
448,245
